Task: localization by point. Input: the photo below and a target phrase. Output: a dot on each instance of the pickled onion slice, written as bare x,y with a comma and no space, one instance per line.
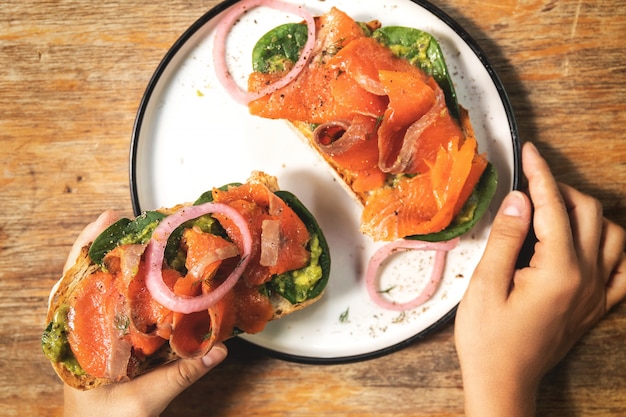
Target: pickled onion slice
441,249
219,47
155,253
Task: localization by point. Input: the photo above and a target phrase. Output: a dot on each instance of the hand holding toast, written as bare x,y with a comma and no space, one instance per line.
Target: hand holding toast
147,395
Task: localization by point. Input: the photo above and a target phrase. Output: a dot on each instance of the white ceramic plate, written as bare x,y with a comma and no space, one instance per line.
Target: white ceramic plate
190,135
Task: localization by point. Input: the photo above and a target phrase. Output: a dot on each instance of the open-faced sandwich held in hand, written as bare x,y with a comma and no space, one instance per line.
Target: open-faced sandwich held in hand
171,283
377,103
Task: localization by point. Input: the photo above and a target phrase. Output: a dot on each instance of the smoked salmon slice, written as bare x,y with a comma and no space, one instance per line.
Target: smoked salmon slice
194,334
118,317
363,58
351,146
151,323
99,339
415,125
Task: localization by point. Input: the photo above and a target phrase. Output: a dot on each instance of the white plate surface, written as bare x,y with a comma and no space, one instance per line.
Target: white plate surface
191,135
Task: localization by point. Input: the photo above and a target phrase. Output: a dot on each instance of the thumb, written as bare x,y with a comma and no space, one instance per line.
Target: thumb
508,232
168,381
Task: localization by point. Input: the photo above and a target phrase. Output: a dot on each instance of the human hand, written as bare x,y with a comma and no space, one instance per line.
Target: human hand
513,326
147,395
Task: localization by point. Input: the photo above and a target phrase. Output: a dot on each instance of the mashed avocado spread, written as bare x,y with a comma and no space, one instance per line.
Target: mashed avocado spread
54,342
299,285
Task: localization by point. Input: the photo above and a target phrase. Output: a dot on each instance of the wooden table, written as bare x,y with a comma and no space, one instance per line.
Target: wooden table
71,77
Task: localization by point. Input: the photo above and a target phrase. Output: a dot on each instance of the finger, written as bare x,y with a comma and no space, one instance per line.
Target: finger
585,215
612,247
616,286
88,234
508,232
168,381
551,221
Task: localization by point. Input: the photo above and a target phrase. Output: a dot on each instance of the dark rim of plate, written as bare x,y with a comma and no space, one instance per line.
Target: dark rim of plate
471,43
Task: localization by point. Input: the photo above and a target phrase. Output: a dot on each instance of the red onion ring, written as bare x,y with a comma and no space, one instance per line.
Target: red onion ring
441,249
219,47
156,249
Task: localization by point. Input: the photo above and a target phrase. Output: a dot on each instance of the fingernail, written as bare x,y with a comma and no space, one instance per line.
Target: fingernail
215,355
514,204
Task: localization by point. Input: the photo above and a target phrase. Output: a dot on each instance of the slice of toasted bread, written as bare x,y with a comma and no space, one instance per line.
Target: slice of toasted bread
84,267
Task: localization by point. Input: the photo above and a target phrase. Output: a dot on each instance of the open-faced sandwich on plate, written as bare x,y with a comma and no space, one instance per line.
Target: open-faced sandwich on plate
171,283
378,104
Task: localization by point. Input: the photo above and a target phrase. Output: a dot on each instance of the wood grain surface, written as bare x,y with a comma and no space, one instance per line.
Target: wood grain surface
72,74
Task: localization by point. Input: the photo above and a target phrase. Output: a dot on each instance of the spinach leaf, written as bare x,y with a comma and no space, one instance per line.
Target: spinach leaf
107,240
279,48
289,285
124,231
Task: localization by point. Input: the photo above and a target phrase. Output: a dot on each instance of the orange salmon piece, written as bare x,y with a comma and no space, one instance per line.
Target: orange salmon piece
349,98
147,317
368,180
253,309
243,308
390,210
95,298
192,334
335,29
410,98
360,158
151,322
479,163
146,314
199,246
255,273
422,204
416,124
195,333
318,94
297,100
363,59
